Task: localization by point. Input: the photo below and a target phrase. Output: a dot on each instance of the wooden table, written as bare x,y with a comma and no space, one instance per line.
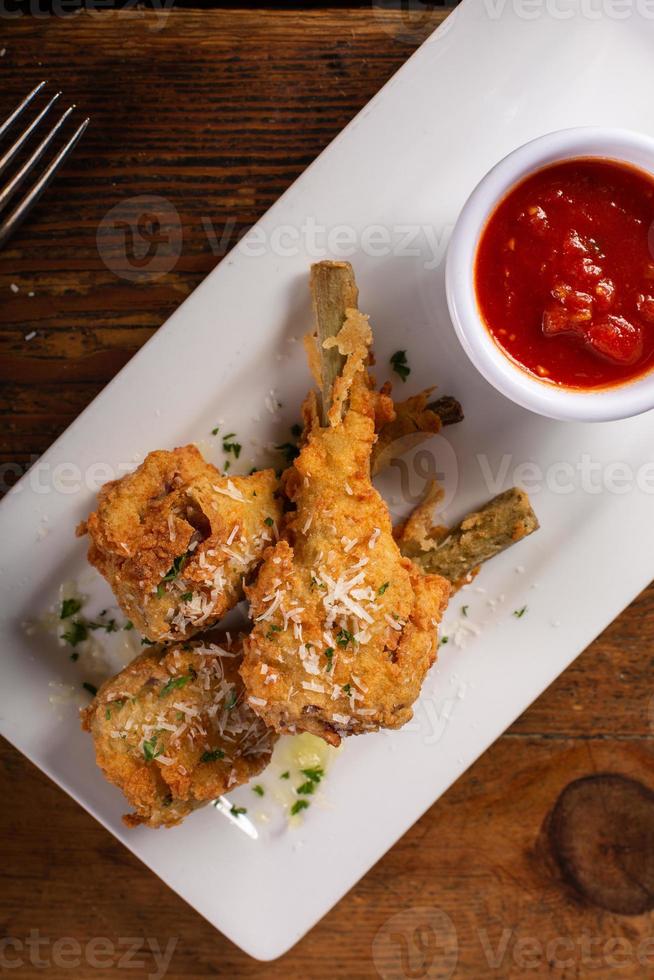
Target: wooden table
219,112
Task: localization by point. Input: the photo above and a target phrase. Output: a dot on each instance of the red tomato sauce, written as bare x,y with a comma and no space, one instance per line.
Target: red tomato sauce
564,274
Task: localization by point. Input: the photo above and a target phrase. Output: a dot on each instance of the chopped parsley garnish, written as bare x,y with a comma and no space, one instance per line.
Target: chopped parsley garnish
343,637
236,811
444,640
227,465
285,775
400,365
174,684
315,774
289,450
215,430
296,430
329,653
259,790
464,610
129,625
306,788
382,588
212,756
147,643
230,446
109,627
76,634
232,699
173,572
269,521
270,635
519,613
298,806
69,607
150,750
91,688
347,689
107,714
186,596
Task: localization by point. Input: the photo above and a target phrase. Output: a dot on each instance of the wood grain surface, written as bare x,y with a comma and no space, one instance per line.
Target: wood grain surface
539,861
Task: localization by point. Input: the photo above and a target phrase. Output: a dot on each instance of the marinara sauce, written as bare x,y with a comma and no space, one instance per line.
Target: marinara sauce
564,273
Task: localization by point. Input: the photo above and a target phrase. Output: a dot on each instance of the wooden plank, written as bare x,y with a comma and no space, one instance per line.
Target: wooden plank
218,111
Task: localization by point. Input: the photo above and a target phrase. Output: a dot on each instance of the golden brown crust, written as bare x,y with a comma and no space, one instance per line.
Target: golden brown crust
175,540
173,731
345,628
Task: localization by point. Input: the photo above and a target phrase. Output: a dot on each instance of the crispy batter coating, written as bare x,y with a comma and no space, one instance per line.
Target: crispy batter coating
173,731
175,540
345,628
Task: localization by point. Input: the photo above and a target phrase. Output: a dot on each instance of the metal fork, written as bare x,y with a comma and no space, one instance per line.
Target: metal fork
9,224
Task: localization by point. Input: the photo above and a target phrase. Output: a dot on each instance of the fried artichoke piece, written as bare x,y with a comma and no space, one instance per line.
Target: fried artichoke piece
345,628
173,731
175,540
458,552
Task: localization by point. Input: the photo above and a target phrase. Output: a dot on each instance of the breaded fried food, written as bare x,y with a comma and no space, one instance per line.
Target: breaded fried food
176,540
173,731
345,628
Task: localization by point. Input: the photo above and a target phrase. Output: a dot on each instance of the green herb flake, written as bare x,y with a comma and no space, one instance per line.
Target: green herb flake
76,634
91,688
129,625
464,611
147,643
329,653
519,613
186,597
444,640
107,714
215,430
69,607
269,521
343,637
347,689
289,450
285,775
382,588
400,365
307,788
229,446
236,811
150,750
213,755
174,684
315,774
298,806
259,790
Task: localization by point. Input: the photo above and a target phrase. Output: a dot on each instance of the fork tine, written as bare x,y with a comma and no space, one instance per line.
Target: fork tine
10,223
25,135
19,108
10,189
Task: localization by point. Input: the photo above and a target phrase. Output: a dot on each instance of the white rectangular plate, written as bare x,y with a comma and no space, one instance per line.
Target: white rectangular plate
488,80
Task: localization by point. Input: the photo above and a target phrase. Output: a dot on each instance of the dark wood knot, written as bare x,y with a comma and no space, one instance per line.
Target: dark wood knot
601,833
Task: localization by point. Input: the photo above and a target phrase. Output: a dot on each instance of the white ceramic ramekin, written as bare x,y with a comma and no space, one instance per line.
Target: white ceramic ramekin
553,401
